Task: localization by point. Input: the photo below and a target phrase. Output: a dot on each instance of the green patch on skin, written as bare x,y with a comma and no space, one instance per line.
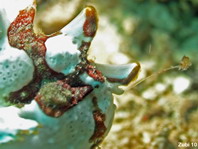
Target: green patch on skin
55,94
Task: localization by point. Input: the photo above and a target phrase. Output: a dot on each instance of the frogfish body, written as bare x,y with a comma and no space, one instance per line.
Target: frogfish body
51,95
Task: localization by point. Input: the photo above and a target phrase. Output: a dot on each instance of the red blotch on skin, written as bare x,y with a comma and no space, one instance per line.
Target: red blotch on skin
21,33
91,23
100,128
84,47
94,73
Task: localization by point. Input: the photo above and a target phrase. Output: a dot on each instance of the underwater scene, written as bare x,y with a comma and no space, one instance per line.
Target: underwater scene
88,74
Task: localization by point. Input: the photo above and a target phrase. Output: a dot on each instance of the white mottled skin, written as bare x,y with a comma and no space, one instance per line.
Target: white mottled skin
16,68
63,50
11,123
75,29
73,130
115,71
62,55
